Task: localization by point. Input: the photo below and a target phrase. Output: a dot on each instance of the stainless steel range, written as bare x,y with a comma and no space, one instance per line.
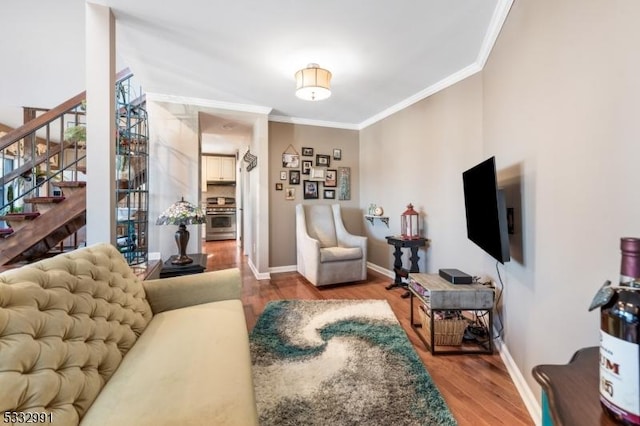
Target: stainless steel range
221,218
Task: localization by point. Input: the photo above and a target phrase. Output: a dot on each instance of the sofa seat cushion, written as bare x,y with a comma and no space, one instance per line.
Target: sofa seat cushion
191,366
337,254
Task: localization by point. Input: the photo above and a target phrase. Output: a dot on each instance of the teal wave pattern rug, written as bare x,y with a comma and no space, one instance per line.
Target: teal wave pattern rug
340,362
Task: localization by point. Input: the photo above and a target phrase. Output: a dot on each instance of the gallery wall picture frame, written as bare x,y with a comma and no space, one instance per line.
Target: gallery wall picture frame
306,166
290,193
290,161
331,178
323,160
307,152
310,190
344,183
278,186
317,173
337,154
283,175
294,177
329,194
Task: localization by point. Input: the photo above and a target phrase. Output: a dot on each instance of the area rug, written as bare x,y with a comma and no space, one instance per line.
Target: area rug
340,362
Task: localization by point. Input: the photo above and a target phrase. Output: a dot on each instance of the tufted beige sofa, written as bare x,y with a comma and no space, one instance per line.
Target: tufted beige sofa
85,341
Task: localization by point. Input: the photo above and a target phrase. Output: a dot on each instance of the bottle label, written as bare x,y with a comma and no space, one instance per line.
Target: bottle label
620,377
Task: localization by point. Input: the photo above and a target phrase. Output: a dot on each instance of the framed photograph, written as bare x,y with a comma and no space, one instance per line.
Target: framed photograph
317,173
331,178
337,154
283,175
290,194
329,194
306,166
307,152
294,177
322,160
290,161
278,187
310,190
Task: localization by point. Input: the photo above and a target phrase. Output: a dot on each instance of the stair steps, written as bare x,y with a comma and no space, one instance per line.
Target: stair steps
5,232
19,220
69,187
44,204
40,236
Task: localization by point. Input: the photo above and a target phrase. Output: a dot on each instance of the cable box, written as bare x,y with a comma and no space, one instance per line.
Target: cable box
455,276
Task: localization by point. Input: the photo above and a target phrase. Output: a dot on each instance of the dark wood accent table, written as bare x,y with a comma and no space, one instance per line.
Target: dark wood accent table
413,245
572,391
198,265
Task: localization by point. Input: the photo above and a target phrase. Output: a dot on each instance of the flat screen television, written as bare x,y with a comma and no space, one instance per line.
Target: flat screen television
486,210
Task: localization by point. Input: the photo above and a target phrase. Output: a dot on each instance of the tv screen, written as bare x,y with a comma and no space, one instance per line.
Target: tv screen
486,210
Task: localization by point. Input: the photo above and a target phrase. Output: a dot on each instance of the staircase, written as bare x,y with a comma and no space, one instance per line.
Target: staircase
44,197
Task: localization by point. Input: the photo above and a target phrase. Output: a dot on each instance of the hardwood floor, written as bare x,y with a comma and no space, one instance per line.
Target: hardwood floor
477,388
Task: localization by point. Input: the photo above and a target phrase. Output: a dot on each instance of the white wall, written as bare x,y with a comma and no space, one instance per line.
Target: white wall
174,150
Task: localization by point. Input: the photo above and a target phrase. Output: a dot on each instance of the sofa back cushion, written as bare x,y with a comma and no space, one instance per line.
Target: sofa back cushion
320,224
65,324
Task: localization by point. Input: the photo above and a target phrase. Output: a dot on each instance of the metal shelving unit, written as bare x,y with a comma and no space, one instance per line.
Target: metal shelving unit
132,163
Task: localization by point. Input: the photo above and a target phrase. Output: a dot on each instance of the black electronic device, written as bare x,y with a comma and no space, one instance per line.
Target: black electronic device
486,210
455,276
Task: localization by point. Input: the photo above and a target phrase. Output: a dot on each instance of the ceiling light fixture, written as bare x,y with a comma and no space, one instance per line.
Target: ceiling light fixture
313,83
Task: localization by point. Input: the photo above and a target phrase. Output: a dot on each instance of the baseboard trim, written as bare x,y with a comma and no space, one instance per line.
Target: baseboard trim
256,273
380,270
279,269
529,399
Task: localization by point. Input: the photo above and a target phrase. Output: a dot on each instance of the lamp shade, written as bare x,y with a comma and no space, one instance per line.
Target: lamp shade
182,212
313,83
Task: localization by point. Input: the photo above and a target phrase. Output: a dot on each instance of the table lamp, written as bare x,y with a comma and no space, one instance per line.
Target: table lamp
182,213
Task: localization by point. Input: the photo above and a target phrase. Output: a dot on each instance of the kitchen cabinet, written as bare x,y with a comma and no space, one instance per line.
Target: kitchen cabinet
218,169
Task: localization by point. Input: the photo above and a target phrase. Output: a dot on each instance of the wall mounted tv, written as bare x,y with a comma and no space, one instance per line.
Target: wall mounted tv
486,210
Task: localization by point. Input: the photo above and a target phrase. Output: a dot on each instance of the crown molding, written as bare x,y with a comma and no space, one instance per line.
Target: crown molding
500,14
208,103
311,122
498,18
433,89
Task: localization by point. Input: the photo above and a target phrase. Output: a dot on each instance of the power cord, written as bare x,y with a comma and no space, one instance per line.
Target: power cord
498,303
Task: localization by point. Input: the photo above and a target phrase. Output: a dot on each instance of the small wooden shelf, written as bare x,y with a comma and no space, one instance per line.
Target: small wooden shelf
383,219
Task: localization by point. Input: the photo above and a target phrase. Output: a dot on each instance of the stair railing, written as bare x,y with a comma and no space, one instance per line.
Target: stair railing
48,148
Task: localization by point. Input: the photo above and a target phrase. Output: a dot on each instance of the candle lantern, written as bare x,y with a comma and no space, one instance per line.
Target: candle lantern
409,224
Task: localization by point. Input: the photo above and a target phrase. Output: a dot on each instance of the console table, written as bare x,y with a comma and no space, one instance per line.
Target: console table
399,244
571,395
441,295
198,265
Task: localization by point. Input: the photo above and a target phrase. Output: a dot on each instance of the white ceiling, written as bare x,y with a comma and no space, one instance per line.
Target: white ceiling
383,54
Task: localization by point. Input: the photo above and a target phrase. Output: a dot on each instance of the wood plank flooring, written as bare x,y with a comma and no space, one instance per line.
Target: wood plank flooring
477,388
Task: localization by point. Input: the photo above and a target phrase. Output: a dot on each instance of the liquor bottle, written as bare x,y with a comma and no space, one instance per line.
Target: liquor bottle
620,341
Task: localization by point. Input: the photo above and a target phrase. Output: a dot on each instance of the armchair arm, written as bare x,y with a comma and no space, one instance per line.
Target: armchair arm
165,294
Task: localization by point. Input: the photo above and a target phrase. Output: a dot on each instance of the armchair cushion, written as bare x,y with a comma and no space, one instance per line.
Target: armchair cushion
336,254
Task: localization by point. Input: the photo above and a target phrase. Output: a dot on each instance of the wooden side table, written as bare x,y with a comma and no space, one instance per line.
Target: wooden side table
399,244
198,265
441,295
571,395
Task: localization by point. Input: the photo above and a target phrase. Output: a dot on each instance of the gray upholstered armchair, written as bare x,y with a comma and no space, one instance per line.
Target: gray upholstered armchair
326,252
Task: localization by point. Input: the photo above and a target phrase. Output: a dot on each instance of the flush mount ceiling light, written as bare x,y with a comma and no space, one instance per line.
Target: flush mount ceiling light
312,83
